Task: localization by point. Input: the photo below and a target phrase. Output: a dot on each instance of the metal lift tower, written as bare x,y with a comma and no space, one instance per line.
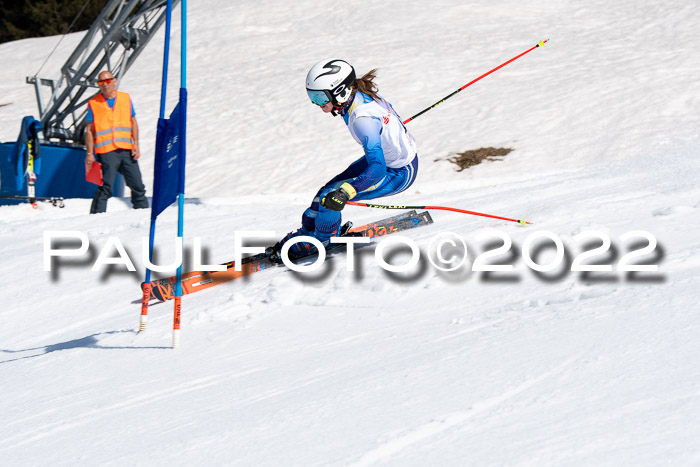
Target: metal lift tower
114,41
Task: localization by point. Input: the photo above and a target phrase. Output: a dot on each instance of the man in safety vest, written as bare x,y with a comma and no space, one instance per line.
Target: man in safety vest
112,136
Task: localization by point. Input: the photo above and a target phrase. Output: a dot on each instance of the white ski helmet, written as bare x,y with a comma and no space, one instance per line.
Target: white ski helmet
330,80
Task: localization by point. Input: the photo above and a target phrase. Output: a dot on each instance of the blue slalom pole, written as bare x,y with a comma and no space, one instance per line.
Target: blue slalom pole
152,234
166,54
183,152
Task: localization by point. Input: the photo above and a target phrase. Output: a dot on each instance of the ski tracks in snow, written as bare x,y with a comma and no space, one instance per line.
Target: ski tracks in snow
441,424
130,403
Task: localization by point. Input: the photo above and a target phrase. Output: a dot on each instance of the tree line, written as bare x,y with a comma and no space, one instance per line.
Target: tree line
21,19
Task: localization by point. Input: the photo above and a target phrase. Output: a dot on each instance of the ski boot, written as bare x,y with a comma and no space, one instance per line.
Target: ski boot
301,249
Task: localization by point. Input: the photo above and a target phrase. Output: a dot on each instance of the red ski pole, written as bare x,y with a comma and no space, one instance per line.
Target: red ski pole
438,208
539,44
442,208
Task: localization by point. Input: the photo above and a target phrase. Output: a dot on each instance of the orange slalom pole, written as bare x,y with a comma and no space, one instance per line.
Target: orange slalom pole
144,306
176,322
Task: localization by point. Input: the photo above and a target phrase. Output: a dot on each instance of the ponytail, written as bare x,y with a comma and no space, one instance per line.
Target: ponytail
367,85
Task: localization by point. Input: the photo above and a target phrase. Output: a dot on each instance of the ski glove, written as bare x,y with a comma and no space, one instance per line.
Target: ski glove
335,200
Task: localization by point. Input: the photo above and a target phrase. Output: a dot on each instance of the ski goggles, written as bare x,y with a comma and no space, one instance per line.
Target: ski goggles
318,97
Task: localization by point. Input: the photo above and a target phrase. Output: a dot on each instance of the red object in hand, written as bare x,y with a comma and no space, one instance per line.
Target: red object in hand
94,175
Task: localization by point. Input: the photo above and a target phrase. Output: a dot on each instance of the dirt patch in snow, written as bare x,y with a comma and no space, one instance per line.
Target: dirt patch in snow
470,158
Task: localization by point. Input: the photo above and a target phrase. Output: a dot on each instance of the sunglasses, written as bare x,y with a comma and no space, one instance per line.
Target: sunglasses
105,81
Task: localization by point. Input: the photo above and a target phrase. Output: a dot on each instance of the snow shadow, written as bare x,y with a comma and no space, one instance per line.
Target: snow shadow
89,342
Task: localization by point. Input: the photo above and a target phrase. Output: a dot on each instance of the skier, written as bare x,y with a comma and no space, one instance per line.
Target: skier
389,164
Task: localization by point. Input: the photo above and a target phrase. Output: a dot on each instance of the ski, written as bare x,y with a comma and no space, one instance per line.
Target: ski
54,200
31,176
194,281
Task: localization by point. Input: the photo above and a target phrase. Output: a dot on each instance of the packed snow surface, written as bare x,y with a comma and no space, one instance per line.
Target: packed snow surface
367,367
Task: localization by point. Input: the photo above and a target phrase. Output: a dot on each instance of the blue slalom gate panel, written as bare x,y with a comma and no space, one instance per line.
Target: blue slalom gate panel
62,174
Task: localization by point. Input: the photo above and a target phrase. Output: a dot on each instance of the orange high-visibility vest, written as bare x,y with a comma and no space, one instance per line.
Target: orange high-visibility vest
112,126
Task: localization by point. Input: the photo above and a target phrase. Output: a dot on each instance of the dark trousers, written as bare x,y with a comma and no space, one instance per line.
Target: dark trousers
122,162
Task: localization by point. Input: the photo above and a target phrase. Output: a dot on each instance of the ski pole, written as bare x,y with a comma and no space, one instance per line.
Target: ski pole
539,44
438,208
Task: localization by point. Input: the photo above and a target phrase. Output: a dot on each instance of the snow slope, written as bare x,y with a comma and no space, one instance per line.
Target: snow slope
367,367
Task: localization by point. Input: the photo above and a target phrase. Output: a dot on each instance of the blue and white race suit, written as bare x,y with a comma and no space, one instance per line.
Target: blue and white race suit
389,164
